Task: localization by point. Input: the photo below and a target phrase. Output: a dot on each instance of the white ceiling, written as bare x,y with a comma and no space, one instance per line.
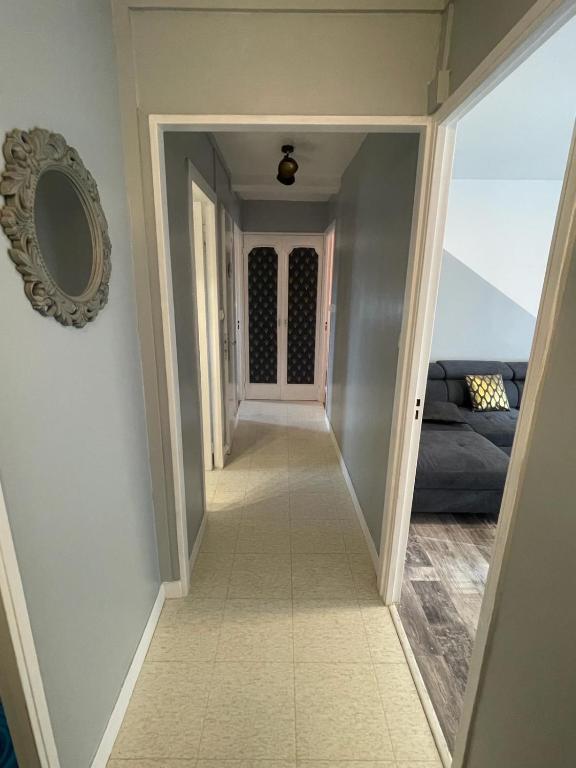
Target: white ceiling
253,157
522,129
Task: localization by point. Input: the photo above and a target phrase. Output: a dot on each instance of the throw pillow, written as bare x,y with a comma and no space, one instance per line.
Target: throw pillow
487,392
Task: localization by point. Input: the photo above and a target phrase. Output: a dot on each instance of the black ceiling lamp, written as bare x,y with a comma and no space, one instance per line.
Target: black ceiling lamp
287,167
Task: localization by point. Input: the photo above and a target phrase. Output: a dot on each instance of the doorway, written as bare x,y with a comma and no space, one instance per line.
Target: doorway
210,326
26,735
496,254
327,307
229,327
283,301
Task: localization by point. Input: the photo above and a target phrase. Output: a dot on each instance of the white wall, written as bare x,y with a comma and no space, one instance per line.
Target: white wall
510,158
497,242
475,321
74,460
502,230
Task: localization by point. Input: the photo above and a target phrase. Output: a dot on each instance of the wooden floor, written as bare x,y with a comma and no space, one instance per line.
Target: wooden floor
446,568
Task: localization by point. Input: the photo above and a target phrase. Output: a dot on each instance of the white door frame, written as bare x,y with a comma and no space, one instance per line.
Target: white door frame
229,345
214,337
203,238
34,717
329,245
281,390
158,125
239,269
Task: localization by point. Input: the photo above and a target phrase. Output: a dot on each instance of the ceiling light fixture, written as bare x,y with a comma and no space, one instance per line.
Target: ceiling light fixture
287,167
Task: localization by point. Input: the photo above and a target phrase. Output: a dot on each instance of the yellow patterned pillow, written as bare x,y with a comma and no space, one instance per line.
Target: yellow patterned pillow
487,393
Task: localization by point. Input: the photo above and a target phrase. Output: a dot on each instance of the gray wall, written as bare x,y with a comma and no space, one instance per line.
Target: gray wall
476,321
179,148
284,216
373,223
74,461
478,27
525,711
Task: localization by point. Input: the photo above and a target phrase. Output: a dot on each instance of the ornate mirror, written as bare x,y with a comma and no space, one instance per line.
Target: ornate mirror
57,228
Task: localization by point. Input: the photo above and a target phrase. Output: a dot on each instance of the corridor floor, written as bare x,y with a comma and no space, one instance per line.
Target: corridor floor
283,654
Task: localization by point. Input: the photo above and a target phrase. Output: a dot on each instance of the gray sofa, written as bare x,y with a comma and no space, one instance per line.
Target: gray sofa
463,457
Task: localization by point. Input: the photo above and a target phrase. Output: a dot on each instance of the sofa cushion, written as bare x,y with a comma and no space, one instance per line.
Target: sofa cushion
435,371
456,389
513,393
519,369
436,390
443,412
457,369
452,459
439,425
496,426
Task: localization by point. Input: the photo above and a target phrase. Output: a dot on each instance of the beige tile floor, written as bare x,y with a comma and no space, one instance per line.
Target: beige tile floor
283,654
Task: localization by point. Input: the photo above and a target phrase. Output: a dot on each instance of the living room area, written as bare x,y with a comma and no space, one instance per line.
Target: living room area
510,156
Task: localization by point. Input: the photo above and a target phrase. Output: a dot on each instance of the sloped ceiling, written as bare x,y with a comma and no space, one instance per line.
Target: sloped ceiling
252,159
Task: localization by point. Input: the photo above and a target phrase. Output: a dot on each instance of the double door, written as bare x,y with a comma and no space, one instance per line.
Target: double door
283,300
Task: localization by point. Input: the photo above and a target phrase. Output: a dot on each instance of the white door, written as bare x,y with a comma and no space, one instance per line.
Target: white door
283,290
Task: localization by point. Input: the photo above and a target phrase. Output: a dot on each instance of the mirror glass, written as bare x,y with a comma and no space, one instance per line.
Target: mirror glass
63,232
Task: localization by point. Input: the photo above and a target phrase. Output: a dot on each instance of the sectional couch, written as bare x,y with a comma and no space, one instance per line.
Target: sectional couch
463,457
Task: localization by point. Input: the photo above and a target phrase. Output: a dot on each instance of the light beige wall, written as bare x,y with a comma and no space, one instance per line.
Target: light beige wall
284,63
478,27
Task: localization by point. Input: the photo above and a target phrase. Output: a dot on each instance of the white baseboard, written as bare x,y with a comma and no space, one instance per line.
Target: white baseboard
172,589
425,700
196,547
357,507
107,743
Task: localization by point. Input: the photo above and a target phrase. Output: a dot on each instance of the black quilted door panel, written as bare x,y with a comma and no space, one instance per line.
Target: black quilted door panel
263,314
302,304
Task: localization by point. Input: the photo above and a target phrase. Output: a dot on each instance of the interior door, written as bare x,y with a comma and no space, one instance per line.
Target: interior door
302,302
229,335
283,284
262,307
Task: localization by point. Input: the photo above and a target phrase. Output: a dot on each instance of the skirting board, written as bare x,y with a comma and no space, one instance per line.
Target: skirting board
173,589
357,507
106,745
425,700
197,544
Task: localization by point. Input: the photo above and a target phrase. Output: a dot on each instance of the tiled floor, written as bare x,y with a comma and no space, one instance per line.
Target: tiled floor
283,654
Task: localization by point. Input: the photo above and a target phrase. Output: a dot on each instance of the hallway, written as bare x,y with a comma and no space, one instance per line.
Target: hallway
282,654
